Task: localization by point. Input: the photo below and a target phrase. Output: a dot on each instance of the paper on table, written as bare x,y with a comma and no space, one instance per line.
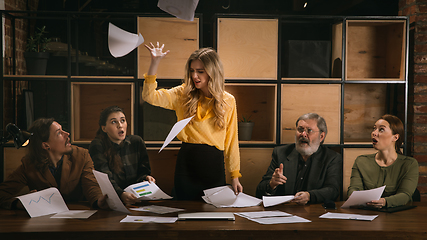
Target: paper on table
43,202
362,197
147,191
157,209
113,200
278,220
276,200
175,130
225,197
145,219
183,9
348,216
80,214
263,214
121,42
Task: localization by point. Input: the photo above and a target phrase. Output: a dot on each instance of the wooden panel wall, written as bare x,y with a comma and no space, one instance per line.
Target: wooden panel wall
248,47
299,99
87,106
179,36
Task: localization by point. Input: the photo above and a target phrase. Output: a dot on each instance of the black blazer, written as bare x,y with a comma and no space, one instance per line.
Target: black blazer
324,178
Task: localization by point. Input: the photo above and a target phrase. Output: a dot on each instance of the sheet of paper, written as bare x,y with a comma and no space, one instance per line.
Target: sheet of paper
80,214
157,209
183,9
145,219
348,216
278,220
175,130
276,200
113,200
225,197
362,197
147,191
263,214
121,42
43,202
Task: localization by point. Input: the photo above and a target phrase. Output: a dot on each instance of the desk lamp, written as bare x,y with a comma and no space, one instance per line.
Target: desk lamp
20,138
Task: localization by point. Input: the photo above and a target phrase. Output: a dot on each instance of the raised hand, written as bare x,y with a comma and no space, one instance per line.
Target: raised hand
156,51
156,55
278,178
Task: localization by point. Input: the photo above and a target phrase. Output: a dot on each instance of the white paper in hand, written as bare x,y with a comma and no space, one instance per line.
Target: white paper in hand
107,188
147,191
121,42
362,197
175,130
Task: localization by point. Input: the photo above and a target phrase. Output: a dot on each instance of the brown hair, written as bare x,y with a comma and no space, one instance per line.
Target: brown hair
41,132
191,95
396,127
114,161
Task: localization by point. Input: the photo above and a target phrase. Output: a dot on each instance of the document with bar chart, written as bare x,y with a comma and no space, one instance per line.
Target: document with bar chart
147,191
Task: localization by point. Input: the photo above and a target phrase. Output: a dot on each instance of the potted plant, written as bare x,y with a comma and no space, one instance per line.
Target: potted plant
36,56
245,128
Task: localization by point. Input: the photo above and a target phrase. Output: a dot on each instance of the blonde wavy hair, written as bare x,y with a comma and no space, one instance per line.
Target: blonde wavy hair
192,95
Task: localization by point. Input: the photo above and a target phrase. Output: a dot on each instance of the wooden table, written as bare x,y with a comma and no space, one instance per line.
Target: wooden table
104,224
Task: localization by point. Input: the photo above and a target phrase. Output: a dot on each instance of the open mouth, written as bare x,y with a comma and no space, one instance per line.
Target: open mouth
121,133
374,141
303,141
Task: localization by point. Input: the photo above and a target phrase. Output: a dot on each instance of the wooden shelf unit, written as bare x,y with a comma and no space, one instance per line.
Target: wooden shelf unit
367,61
88,99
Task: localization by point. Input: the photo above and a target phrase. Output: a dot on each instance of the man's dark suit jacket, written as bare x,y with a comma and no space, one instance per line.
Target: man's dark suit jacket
324,178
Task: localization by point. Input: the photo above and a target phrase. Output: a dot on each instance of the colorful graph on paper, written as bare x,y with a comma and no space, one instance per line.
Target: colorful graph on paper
142,190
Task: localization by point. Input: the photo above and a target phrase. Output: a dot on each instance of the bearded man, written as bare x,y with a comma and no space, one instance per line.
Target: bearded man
306,169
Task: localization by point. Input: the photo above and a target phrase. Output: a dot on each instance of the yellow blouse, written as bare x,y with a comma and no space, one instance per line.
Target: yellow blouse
202,130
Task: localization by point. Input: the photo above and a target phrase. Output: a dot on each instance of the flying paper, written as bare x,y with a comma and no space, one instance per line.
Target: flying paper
183,9
121,42
175,130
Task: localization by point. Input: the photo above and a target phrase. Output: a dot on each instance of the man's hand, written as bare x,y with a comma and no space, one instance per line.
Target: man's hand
302,198
377,203
128,198
278,178
102,202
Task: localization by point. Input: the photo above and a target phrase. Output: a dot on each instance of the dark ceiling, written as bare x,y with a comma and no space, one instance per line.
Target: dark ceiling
210,7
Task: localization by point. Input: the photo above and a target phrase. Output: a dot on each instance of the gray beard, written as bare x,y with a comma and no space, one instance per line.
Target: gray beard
309,150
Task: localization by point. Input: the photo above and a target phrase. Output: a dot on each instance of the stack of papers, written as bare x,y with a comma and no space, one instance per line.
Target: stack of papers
224,197
272,217
147,191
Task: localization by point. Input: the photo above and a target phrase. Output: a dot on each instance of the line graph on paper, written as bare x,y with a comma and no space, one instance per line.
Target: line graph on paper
43,202
40,198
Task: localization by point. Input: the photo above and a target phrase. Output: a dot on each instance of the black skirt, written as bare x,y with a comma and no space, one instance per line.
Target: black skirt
198,167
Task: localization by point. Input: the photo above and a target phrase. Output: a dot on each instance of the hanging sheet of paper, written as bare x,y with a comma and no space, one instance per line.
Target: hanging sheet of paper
147,191
121,42
362,197
183,9
43,202
175,130
113,199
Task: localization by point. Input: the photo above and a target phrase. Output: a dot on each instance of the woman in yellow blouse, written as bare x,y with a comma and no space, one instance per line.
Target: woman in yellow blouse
210,139
387,167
